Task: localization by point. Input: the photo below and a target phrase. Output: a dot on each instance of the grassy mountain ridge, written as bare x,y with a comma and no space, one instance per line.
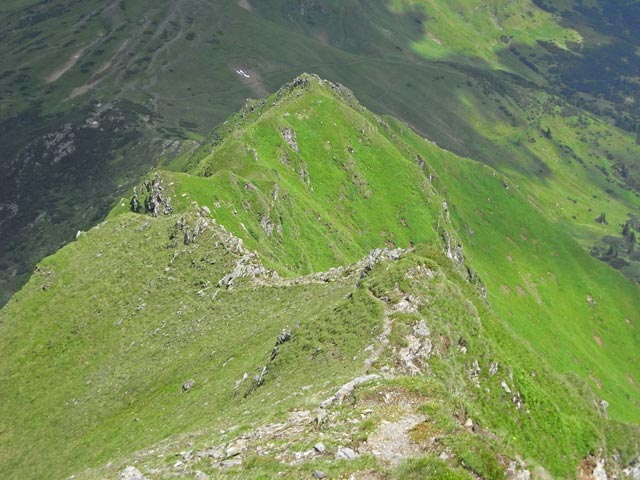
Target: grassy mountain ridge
311,180
169,69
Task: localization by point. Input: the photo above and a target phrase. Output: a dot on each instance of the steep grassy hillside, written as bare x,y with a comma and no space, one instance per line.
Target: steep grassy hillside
485,332
543,283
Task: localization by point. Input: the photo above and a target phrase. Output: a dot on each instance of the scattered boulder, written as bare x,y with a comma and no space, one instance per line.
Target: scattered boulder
346,453
469,424
505,387
319,447
517,400
188,385
230,463
474,372
233,451
258,381
319,474
283,337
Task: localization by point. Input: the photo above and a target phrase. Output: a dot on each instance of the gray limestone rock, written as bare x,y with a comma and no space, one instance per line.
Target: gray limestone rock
156,202
188,385
599,472
421,329
233,451
132,473
632,472
346,453
289,136
347,388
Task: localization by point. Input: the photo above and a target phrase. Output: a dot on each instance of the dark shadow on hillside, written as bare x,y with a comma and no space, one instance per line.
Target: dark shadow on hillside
600,70
60,174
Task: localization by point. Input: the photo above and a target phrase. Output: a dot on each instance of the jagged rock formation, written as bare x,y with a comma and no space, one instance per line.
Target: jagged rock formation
156,202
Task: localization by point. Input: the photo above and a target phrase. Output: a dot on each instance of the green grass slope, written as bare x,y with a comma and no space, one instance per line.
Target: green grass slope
104,376
101,340
576,310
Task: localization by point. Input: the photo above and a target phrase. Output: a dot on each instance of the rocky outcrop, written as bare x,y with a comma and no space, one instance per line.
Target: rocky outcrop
359,269
156,202
269,226
415,355
259,379
289,136
247,266
60,144
189,233
302,82
454,251
134,203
